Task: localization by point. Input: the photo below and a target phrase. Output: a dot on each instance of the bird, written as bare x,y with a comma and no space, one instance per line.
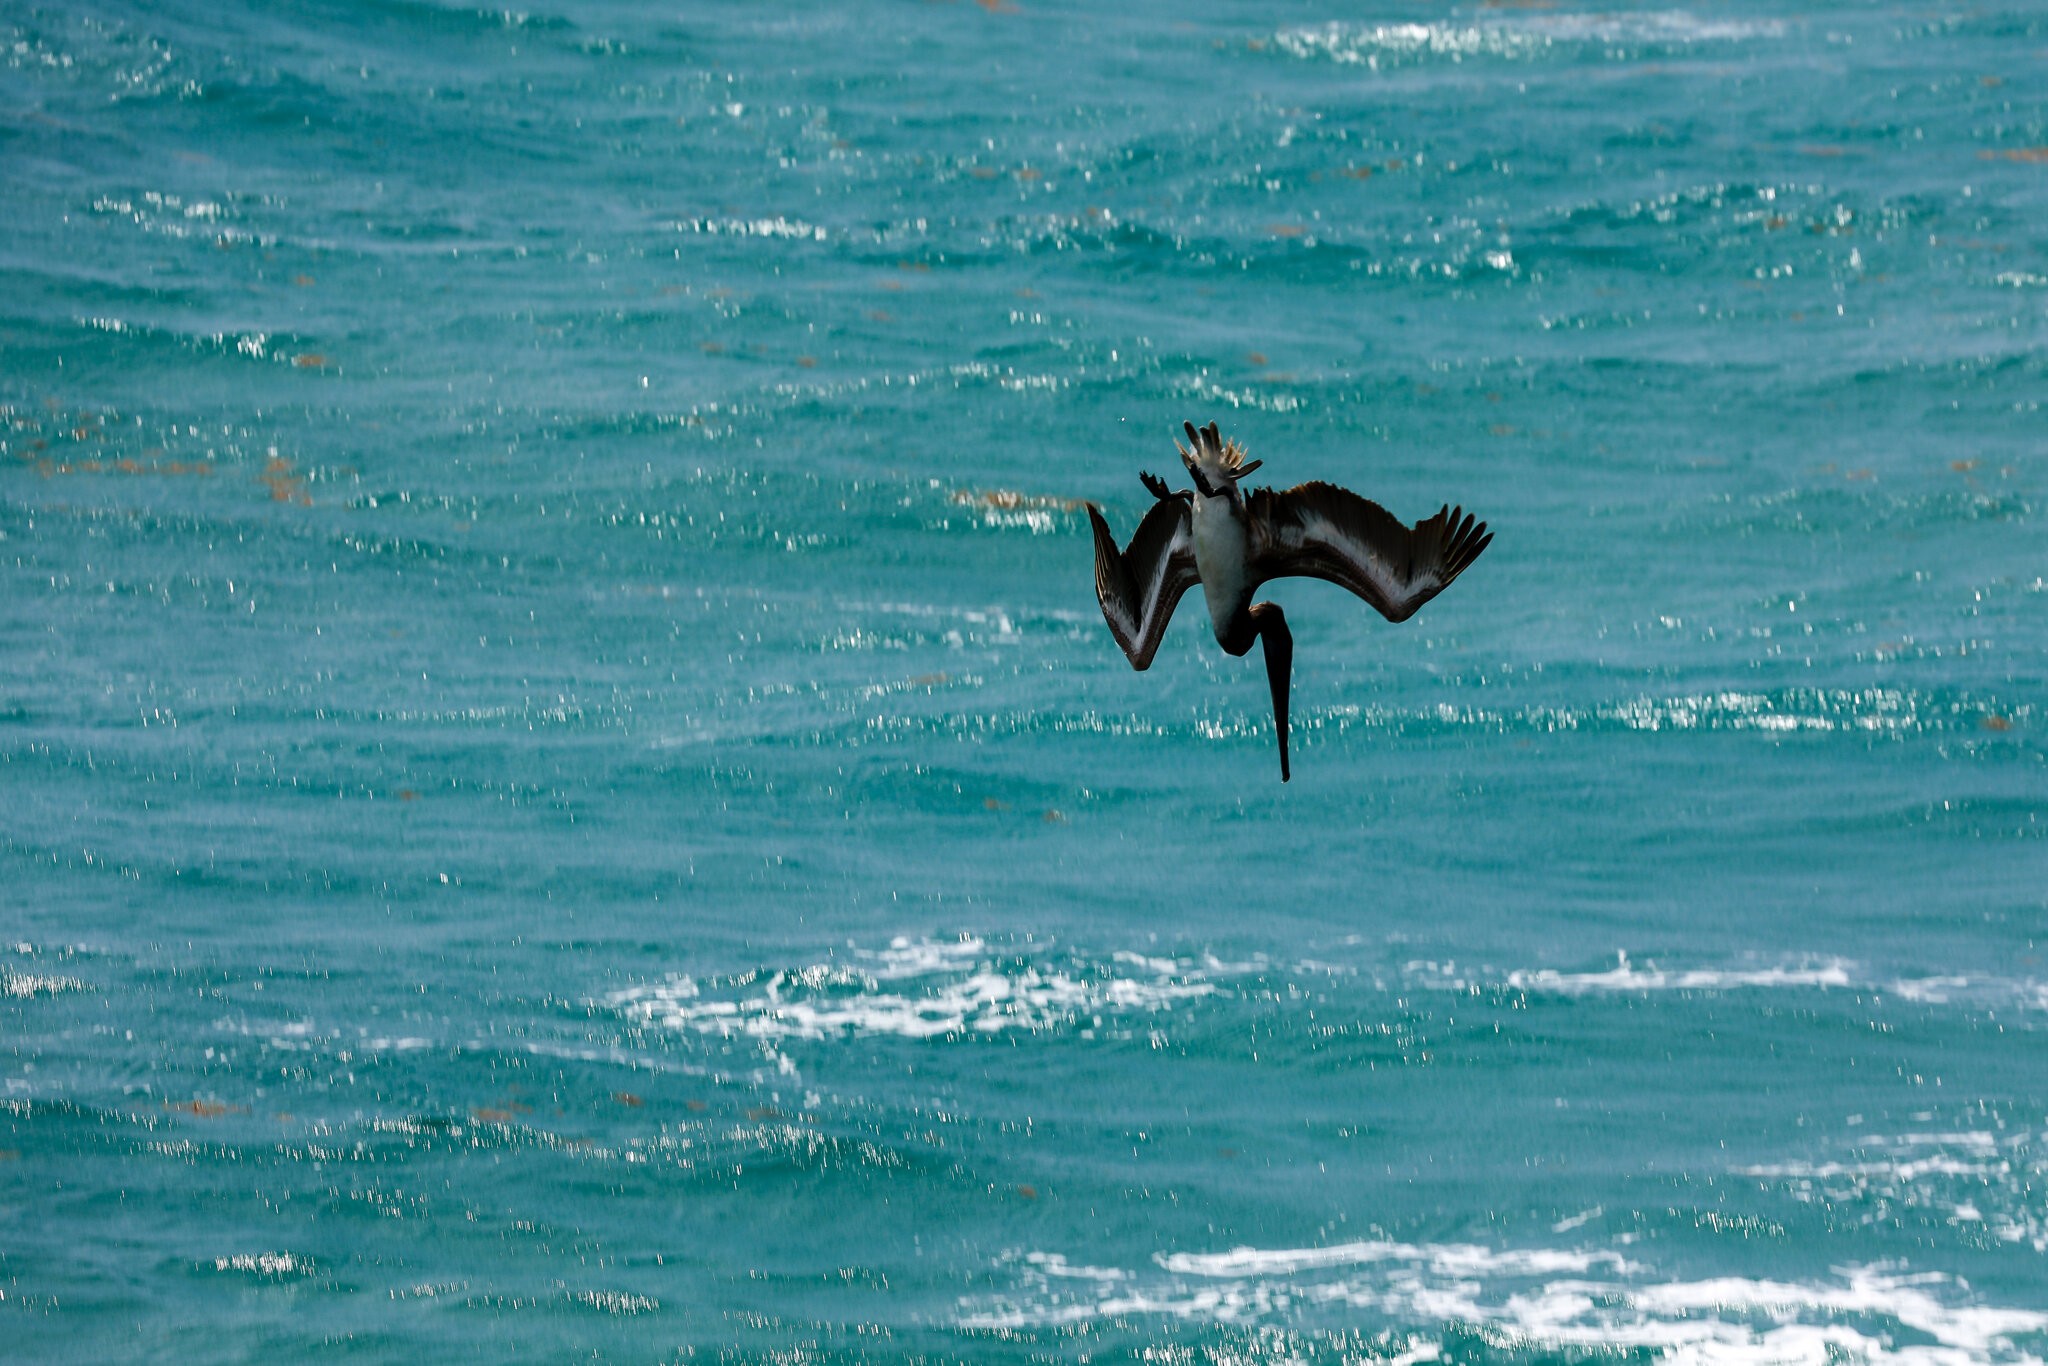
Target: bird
1231,542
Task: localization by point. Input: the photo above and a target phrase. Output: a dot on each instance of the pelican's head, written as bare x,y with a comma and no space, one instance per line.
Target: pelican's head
1215,464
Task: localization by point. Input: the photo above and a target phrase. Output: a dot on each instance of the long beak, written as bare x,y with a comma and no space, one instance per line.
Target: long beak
1279,643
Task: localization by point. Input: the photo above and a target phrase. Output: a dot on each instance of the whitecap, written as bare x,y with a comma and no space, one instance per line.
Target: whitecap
920,989
1547,1298
264,1264
1625,976
22,985
1448,1259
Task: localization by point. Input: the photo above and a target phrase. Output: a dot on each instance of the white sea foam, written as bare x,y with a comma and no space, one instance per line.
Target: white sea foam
22,985
305,1036
793,228
263,1263
919,989
1809,972
616,1301
1053,1264
1977,1176
1447,1259
1545,1297
1932,990
1625,976
1513,37
1579,1220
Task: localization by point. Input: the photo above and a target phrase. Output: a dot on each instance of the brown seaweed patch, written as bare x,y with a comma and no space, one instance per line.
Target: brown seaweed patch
285,483
310,360
628,1099
48,467
507,1113
1996,722
2036,155
204,1109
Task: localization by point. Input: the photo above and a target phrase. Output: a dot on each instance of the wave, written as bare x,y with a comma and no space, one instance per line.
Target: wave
922,989
1798,973
1965,1178
1625,976
1549,1298
23,985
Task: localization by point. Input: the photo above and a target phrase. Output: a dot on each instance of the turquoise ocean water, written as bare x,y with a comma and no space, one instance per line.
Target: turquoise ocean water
563,791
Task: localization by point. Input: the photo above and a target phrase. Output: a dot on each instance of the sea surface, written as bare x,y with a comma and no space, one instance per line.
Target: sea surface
564,792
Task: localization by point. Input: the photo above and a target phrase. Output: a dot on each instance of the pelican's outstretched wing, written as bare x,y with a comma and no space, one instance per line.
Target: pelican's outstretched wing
1139,587
1320,531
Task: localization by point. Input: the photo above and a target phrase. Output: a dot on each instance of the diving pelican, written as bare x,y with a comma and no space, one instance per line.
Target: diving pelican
1231,543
